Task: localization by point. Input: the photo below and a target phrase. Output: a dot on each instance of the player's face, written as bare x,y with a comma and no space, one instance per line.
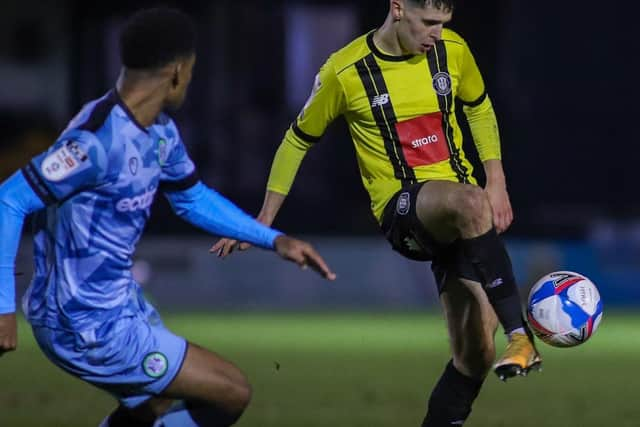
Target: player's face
182,78
420,27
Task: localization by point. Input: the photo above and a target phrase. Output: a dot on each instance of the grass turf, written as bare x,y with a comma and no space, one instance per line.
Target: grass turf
353,370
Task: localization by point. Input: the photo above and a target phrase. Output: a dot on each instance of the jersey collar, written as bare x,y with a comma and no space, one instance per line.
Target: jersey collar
116,97
380,54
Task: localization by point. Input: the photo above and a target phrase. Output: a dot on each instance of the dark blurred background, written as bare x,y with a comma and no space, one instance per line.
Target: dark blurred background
559,74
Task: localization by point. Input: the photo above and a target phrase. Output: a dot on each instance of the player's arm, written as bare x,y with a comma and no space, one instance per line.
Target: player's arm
326,102
47,179
486,137
17,200
207,209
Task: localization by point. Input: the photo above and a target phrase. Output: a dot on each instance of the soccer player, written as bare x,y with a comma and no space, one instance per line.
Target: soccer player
91,193
396,87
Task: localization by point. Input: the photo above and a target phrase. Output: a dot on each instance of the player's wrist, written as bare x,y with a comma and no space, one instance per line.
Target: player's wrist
265,219
7,309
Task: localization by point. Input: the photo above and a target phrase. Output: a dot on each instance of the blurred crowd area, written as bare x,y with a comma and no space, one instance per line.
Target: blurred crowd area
557,76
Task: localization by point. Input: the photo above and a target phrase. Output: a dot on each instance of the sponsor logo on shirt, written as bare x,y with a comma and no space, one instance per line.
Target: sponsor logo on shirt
136,203
423,140
63,162
431,139
380,100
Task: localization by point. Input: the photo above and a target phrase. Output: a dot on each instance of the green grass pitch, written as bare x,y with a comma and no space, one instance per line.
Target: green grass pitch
354,370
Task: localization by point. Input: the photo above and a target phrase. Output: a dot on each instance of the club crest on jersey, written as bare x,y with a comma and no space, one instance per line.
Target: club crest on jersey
403,204
63,162
133,165
162,152
155,364
442,83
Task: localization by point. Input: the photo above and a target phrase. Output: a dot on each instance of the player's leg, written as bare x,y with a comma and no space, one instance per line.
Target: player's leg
210,392
451,211
460,216
215,392
144,415
472,324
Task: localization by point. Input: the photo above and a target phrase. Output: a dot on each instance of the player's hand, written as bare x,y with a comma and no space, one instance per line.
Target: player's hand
500,206
302,254
8,333
225,246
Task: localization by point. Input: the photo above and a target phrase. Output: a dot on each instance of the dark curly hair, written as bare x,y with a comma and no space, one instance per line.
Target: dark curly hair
152,38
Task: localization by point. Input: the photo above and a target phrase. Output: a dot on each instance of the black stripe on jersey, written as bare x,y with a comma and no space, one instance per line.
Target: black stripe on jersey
100,113
303,135
437,59
385,116
116,96
181,184
36,183
477,102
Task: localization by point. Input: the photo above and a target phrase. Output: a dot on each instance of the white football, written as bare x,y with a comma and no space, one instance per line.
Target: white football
564,309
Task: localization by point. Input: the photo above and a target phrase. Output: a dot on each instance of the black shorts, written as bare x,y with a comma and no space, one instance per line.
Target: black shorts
407,235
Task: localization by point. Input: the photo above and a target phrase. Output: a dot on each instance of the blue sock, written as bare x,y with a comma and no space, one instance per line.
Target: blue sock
177,416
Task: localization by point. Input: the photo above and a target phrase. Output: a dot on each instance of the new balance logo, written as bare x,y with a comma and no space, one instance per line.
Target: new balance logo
412,245
380,100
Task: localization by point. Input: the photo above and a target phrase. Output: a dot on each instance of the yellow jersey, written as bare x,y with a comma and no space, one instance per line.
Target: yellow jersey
400,113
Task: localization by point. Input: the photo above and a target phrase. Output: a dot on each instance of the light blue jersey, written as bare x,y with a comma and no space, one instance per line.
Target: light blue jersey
92,192
102,175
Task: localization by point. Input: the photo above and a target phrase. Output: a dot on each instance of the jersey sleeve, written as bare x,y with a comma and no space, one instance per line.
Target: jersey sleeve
326,102
209,210
484,129
77,161
471,90
17,200
178,170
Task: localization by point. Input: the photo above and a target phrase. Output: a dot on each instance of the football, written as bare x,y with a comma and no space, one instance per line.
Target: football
564,309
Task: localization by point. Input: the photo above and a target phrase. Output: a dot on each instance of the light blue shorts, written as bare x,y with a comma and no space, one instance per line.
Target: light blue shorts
133,358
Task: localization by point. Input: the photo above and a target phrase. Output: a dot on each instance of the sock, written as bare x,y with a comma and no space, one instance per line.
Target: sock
518,331
491,262
177,416
121,418
186,414
451,399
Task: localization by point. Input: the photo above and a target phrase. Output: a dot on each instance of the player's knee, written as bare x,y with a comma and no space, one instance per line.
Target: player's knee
470,206
238,396
223,412
244,393
226,410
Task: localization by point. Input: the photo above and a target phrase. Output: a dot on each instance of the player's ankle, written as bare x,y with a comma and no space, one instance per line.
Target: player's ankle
516,331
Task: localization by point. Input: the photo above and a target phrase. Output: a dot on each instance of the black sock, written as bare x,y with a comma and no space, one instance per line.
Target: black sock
123,418
451,399
211,416
491,262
